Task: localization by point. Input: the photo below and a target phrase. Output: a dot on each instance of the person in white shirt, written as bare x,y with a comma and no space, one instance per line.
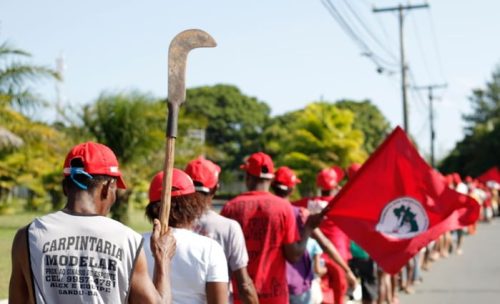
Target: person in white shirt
78,254
199,271
227,232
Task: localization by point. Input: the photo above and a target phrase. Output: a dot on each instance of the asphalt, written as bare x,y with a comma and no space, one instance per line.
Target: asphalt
473,277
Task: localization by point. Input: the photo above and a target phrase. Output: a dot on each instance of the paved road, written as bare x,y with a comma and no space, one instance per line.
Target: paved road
473,277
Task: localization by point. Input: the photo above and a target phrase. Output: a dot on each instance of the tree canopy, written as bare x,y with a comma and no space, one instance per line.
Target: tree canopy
234,121
479,150
369,120
15,77
319,136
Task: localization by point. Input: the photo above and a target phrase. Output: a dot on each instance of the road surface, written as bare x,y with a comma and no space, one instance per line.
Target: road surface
473,277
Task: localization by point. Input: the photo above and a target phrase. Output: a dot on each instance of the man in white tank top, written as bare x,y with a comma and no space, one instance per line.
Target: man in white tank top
78,255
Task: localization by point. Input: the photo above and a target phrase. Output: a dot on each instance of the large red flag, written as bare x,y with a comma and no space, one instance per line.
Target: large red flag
396,204
493,174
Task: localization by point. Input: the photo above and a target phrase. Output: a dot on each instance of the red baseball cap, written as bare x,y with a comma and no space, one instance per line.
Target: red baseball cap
260,165
352,170
182,184
205,172
97,159
286,178
456,178
340,173
326,179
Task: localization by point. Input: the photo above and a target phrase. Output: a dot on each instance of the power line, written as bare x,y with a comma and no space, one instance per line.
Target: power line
401,9
421,49
436,45
430,89
348,29
367,29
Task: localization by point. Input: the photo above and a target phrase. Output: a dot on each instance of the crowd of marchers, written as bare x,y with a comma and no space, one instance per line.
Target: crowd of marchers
261,248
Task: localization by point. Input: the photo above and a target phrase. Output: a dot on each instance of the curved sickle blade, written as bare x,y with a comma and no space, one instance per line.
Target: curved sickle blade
177,58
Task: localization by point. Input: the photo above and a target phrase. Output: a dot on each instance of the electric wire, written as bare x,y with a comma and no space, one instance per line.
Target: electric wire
367,29
353,35
421,49
436,46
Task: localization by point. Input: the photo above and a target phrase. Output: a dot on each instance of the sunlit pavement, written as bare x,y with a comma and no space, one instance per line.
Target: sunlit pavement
473,277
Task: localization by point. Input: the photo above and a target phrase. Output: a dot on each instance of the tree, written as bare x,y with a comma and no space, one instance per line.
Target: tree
15,77
478,151
234,122
32,165
132,124
369,120
308,140
35,166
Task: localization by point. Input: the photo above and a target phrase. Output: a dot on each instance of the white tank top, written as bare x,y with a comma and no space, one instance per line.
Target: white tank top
81,259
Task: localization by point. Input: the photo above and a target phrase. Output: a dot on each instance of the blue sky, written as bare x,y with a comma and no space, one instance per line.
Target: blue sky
286,53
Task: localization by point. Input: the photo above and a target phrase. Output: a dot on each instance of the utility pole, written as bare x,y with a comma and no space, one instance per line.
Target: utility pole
401,8
60,68
430,89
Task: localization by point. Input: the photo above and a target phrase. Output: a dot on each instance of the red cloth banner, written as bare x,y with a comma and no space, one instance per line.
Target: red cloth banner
493,174
396,204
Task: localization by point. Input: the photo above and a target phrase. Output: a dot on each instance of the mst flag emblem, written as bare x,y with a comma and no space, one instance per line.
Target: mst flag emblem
403,218
396,204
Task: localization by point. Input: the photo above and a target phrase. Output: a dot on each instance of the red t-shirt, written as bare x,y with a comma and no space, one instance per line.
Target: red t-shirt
339,239
268,223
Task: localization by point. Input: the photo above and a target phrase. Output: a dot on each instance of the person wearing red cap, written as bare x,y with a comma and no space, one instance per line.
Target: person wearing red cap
372,279
78,255
300,274
334,283
227,232
199,268
270,230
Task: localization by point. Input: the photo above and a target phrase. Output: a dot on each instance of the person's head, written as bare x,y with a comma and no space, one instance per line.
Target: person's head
92,176
205,176
185,208
352,170
284,182
326,181
259,170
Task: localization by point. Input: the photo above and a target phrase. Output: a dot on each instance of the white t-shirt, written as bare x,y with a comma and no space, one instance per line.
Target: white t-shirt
197,260
81,258
228,234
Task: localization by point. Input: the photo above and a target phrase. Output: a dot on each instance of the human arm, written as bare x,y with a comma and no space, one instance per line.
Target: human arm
216,279
142,289
246,289
216,292
319,269
333,253
238,260
20,290
294,251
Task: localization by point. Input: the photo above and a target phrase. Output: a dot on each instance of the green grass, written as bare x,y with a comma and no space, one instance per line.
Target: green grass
9,224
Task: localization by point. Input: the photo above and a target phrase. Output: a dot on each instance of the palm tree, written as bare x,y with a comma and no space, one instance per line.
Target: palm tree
15,76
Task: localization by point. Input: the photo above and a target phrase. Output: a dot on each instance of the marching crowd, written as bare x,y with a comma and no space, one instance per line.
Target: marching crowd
261,248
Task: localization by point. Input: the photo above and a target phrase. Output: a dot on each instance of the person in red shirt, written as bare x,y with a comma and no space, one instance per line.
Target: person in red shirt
334,283
283,185
270,231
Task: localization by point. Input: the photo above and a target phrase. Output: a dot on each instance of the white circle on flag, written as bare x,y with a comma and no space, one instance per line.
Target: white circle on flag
403,218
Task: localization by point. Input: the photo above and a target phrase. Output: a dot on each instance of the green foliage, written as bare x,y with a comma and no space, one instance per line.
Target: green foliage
36,165
234,122
15,76
131,124
369,120
479,150
308,140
